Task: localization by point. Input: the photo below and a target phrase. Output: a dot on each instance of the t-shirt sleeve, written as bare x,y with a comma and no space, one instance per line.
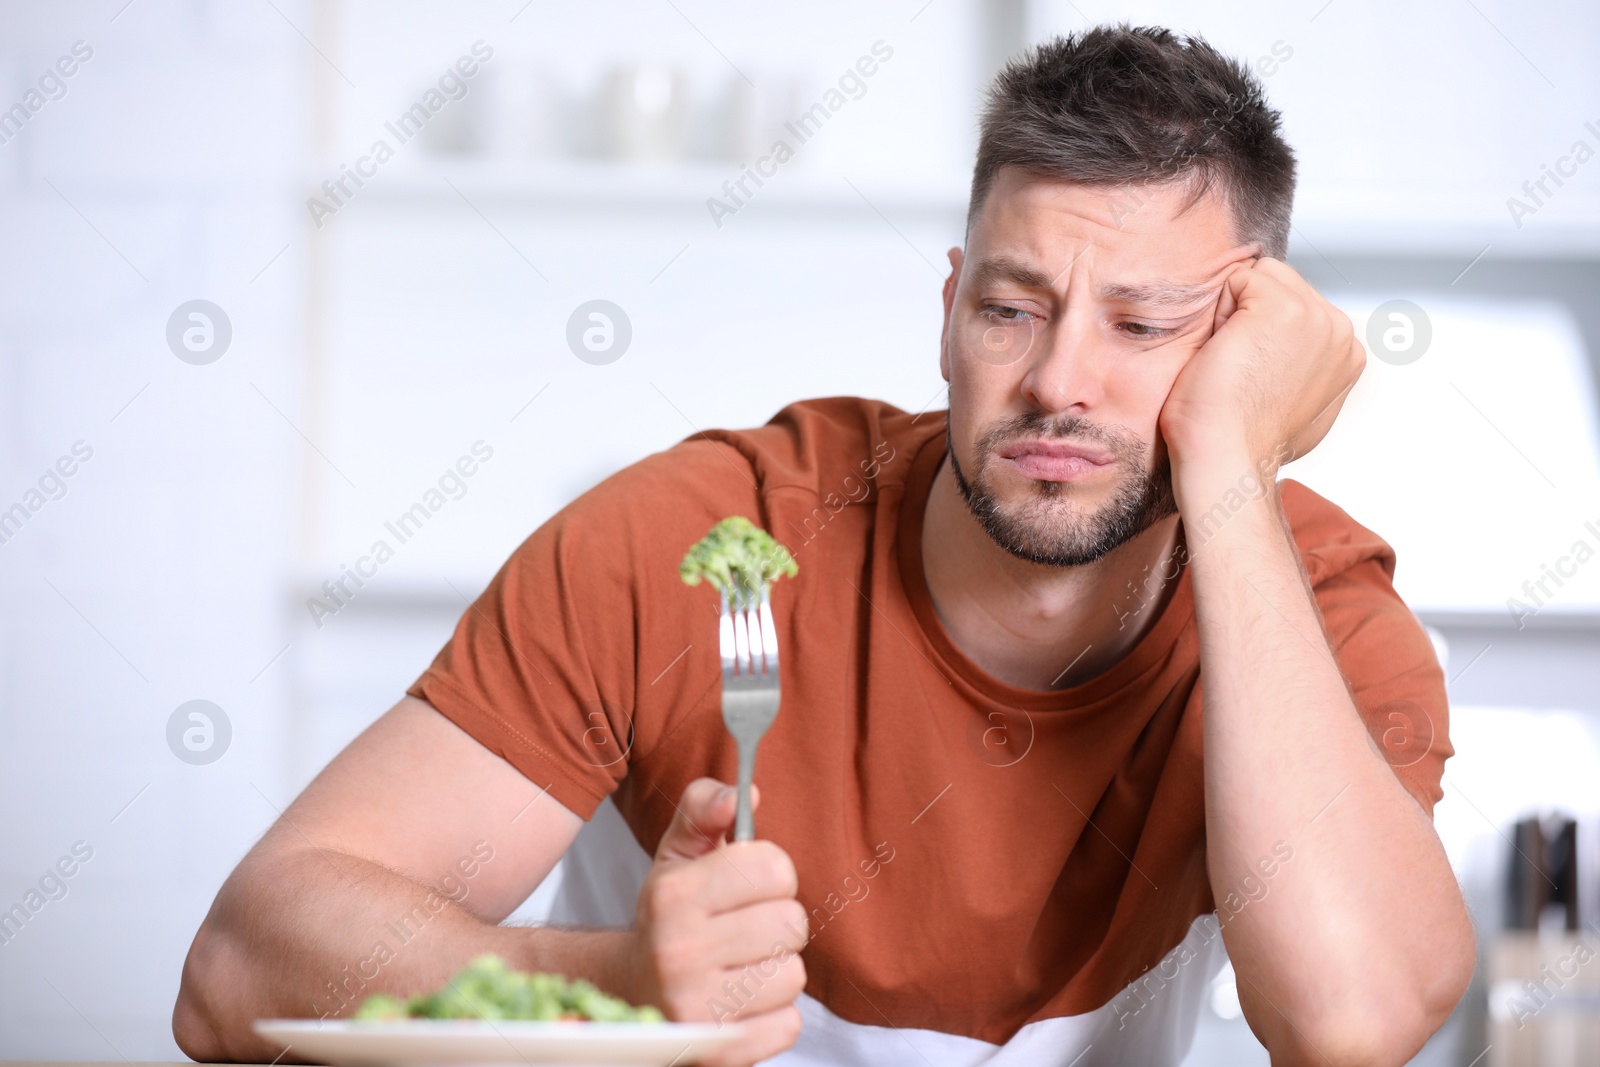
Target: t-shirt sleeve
1393,673
543,668
518,673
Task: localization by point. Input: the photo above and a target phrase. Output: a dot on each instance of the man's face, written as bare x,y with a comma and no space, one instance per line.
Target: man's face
1066,322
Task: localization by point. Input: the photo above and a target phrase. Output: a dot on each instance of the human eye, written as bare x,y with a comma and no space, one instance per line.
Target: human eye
1144,331
1004,315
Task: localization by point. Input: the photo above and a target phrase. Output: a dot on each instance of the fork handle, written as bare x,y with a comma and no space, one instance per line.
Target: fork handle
744,824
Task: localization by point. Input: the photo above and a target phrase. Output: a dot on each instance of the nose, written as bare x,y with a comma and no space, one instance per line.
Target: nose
1066,367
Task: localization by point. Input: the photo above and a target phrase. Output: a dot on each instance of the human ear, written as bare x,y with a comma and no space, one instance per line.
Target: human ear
955,257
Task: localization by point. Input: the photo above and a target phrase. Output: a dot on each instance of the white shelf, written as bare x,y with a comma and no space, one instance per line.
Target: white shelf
1374,234
559,184
1324,225
1499,619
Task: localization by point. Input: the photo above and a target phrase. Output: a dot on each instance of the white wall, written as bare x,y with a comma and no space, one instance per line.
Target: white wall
158,578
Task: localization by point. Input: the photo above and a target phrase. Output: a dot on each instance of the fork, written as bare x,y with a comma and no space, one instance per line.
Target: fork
749,687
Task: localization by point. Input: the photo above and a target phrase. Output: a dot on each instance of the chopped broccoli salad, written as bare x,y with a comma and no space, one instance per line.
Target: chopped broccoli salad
739,558
488,989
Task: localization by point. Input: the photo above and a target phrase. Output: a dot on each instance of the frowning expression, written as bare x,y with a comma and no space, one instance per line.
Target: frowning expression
1066,322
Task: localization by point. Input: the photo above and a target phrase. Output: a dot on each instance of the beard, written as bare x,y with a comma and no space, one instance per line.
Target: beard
1050,527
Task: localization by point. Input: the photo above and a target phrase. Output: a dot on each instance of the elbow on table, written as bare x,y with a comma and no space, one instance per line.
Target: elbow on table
196,1022
1380,1027
1364,1040
193,1033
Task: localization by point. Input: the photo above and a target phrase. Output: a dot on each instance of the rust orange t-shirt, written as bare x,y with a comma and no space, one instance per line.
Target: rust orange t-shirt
976,857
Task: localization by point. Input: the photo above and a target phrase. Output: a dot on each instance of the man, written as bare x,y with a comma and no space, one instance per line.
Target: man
1074,691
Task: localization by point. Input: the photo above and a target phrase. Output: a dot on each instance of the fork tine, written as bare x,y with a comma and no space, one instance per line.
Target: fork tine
725,637
757,640
741,631
769,634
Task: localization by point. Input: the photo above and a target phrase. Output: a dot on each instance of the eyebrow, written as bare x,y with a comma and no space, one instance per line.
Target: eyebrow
1002,268
1158,295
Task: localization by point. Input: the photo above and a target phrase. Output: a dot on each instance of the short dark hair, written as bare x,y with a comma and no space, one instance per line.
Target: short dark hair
1118,105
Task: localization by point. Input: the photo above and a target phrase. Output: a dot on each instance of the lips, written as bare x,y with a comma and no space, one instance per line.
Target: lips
1055,461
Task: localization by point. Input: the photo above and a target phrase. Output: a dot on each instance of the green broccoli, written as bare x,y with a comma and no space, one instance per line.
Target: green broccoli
488,989
739,558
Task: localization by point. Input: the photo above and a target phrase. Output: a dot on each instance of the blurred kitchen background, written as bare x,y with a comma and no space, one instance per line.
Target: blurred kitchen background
236,339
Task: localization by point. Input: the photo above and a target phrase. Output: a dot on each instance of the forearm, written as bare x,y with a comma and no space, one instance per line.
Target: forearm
1356,947
300,932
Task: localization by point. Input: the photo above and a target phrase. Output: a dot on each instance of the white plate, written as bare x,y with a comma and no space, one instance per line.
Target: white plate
416,1042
